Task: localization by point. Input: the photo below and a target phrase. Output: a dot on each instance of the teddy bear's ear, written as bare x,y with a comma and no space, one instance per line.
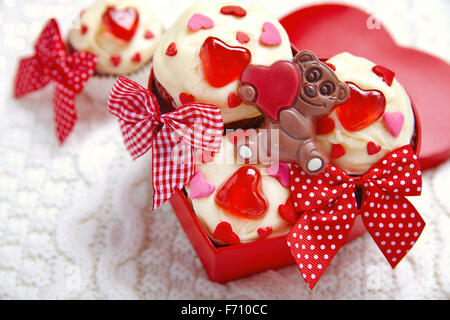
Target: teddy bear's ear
343,94
304,56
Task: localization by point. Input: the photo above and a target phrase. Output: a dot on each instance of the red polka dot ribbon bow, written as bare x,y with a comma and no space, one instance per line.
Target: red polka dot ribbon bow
68,71
328,203
173,135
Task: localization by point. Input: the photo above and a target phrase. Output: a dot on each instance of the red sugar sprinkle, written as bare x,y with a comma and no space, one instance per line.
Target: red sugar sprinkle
171,50
115,60
84,29
148,34
337,151
136,58
242,37
233,100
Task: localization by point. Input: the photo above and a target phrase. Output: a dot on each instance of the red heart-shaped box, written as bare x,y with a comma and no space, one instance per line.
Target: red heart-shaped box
331,29
231,262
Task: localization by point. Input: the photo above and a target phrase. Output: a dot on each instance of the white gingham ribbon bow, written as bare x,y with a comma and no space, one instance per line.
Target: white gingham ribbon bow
173,135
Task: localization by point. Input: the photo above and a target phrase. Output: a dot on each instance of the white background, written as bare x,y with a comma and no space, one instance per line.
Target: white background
75,221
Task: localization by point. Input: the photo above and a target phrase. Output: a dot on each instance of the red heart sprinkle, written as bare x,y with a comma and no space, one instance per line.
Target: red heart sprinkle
115,60
242,195
222,63
136,58
84,29
337,151
331,66
225,233
171,50
325,126
186,98
385,74
287,212
233,100
236,11
373,148
148,34
362,108
121,23
242,37
264,232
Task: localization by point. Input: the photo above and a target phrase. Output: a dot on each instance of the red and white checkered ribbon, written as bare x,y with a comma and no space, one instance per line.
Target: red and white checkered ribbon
173,135
329,208
51,62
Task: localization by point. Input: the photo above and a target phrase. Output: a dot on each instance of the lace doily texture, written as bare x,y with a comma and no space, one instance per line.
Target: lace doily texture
76,220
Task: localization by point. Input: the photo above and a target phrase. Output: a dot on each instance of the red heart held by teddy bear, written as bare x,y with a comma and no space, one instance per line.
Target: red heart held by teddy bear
242,195
362,35
276,86
224,233
121,22
362,108
222,63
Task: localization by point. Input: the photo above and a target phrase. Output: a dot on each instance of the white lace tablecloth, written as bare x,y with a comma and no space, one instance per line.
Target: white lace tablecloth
75,221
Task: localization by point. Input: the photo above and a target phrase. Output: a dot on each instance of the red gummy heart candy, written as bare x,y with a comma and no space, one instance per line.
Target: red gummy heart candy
121,23
225,233
277,86
222,63
241,194
362,108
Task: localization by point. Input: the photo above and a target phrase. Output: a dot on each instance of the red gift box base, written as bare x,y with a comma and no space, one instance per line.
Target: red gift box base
223,264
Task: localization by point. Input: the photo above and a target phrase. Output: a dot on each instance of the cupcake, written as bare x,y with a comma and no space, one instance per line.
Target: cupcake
123,35
201,56
376,119
238,203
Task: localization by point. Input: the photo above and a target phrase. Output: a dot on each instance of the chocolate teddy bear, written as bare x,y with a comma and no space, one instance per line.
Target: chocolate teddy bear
292,96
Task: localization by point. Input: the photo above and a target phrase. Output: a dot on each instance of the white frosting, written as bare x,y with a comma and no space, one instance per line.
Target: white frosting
102,43
183,72
210,214
356,160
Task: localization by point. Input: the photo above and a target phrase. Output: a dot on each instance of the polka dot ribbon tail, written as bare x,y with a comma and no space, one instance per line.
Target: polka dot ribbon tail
172,136
51,63
328,207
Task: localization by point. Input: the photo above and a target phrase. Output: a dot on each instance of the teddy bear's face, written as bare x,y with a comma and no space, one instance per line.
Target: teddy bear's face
320,89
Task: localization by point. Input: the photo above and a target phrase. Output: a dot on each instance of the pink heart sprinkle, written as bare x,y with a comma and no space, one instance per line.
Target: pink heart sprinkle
200,188
199,21
281,172
394,122
270,35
